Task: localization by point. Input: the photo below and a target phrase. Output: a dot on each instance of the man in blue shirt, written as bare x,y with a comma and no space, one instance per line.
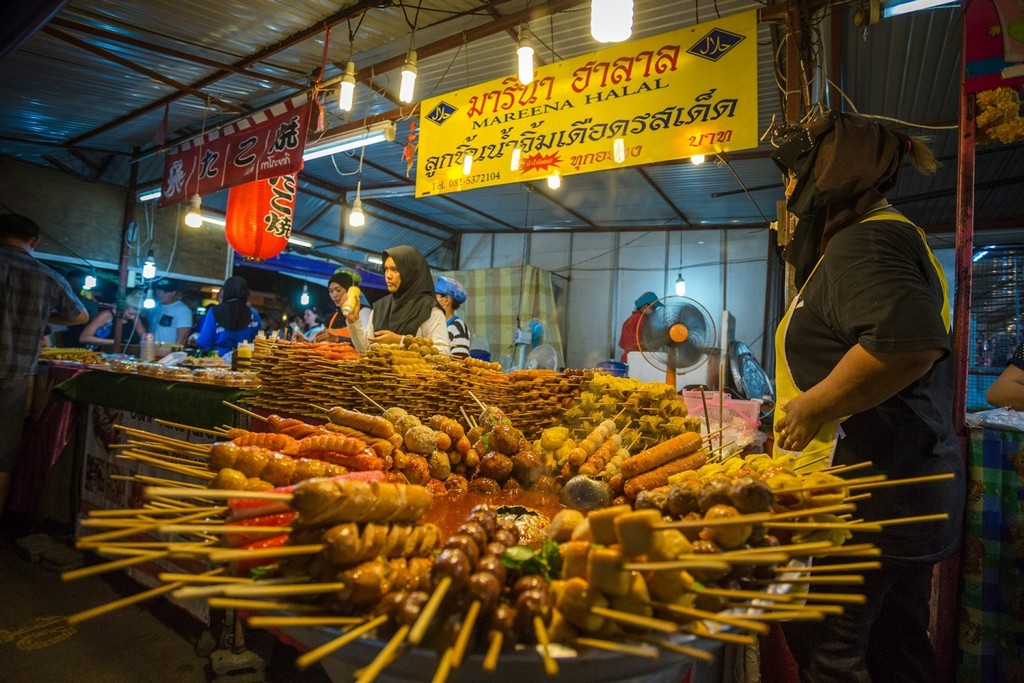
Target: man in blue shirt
31,296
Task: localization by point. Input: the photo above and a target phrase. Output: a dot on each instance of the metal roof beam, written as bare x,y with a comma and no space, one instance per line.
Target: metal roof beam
170,52
258,56
138,68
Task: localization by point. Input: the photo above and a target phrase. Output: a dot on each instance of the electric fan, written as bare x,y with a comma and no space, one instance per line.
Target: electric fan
677,336
544,357
526,338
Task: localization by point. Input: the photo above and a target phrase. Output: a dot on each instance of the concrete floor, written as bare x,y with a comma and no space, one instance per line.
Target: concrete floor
153,641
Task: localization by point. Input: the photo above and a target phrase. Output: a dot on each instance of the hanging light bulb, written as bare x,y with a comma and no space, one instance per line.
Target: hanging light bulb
467,164
525,52
408,78
90,282
356,218
149,302
680,285
555,180
304,299
516,154
697,159
347,89
194,217
619,150
149,266
611,21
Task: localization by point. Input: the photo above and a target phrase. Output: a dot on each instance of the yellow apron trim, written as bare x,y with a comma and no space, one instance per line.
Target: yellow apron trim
819,452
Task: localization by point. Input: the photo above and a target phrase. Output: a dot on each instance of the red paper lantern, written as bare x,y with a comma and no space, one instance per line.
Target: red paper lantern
259,217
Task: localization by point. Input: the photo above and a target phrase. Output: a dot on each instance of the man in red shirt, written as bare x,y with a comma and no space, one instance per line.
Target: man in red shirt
629,337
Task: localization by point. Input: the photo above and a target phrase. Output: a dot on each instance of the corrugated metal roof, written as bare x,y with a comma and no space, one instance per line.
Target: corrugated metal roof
238,52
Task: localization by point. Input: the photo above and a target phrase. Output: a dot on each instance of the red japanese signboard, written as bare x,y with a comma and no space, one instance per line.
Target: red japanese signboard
264,145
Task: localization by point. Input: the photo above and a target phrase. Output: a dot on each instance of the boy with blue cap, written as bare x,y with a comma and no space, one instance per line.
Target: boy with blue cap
629,337
450,295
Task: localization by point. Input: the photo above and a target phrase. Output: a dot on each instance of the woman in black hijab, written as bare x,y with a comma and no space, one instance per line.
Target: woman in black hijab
409,309
231,321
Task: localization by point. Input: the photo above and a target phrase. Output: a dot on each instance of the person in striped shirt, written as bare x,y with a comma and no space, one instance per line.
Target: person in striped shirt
450,295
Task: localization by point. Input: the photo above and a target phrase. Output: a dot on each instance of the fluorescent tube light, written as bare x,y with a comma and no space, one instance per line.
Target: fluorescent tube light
895,10
215,220
148,195
381,132
300,242
374,259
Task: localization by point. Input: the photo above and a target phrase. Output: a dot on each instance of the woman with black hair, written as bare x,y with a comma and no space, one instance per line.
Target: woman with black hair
409,309
231,321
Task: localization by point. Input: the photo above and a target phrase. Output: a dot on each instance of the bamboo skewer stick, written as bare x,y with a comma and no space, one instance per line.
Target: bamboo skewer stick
738,622
822,525
837,579
794,549
319,653
157,481
111,566
550,665
842,598
199,430
419,628
384,657
853,499
161,451
369,400
787,615
125,602
847,484
696,653
478,401
267,605
223,529
638,620
444,667
93,539
283,551
150,512
853,551
743,594
851,566
198,578
151,436
256,591
170,467
209,591
495,640
837,469
753,518
624,648
465,631
665,565
215,494
274,622
736,638
899,482
789,607
245,411
896,521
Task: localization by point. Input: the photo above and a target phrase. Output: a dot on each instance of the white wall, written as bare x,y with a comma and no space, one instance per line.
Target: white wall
607,271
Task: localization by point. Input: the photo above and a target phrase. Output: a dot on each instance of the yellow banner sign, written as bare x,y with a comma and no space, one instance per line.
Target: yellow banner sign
671,96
